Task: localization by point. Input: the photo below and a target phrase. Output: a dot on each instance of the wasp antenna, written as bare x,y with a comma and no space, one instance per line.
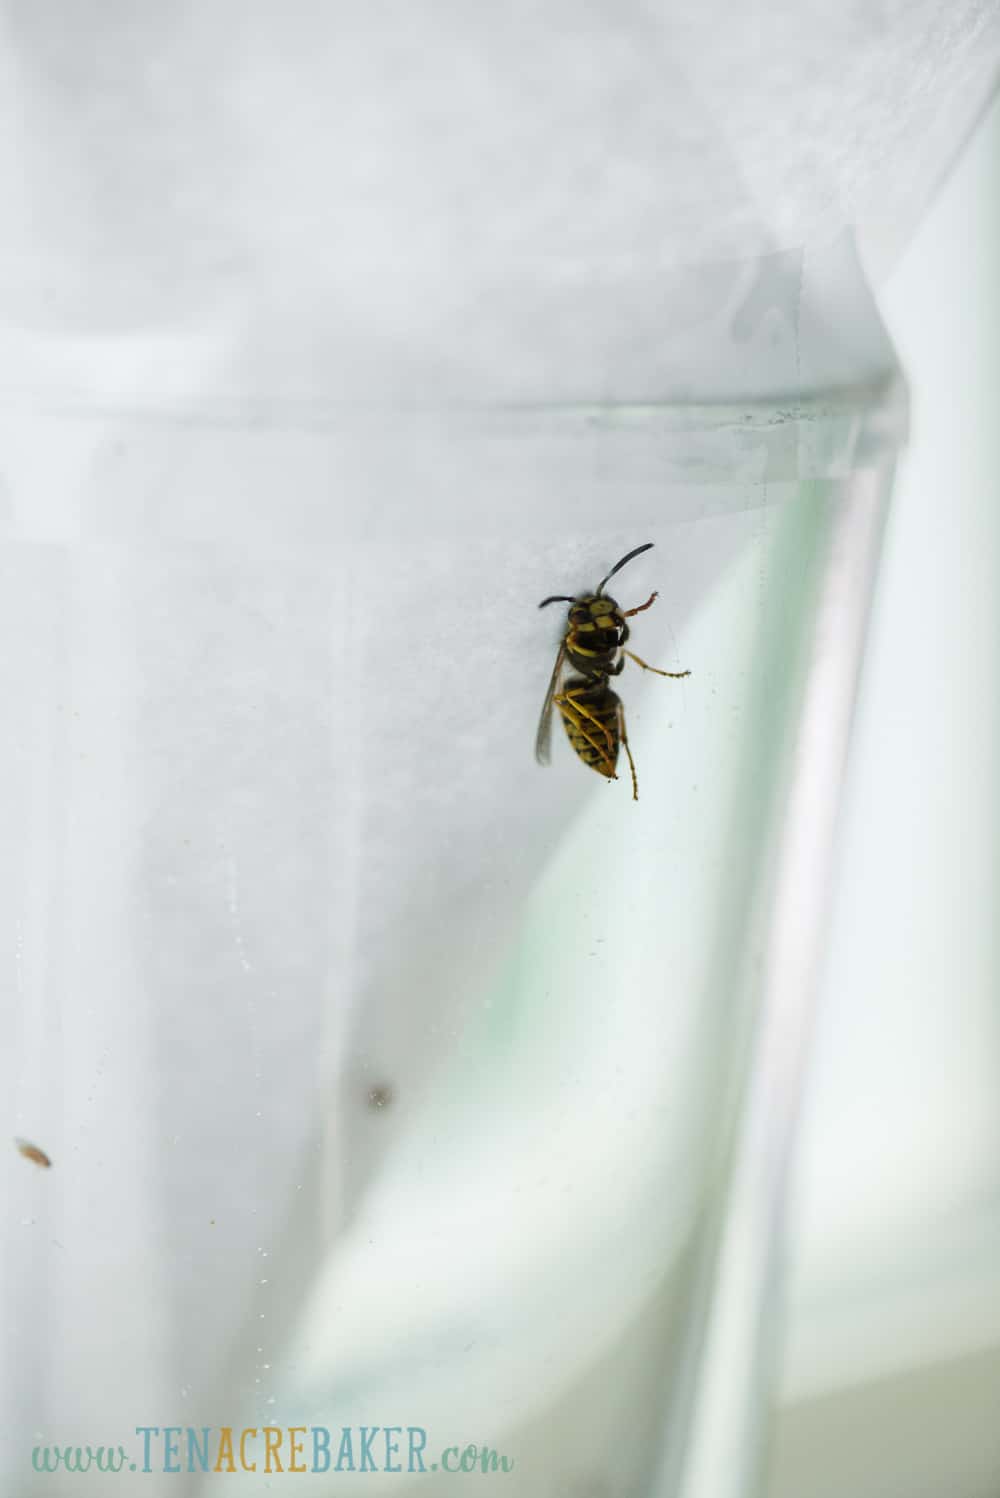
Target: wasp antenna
556,598
619,565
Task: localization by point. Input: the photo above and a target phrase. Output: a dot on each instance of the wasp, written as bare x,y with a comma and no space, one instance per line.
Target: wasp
594,647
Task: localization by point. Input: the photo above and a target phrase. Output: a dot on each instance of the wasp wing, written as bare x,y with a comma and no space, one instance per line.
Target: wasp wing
543,738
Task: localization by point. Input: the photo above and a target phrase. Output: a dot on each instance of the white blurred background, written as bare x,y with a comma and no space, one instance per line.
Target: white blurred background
891,1380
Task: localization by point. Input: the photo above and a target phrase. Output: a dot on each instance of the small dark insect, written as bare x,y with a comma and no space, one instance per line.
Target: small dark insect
594,646
380,1097
32,1152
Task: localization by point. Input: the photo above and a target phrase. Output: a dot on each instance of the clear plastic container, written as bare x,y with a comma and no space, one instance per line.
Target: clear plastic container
389,1078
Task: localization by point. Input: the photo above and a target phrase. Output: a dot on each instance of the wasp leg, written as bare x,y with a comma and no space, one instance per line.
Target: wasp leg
642,607
582,717
631,761
647,667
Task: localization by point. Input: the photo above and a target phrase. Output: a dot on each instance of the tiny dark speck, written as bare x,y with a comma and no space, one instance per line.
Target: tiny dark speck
379,1097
